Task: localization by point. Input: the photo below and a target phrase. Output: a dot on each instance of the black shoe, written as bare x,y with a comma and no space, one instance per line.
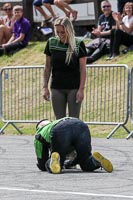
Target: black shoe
47,166
113,56
124,51
90,60
42,168
110,57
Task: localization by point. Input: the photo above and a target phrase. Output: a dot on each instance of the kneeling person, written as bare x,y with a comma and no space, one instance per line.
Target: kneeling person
61,137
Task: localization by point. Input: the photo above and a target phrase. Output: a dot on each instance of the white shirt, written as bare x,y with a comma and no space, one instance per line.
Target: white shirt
127,21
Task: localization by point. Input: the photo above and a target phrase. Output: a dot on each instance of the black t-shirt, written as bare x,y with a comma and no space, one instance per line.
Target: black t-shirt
64,76
106,22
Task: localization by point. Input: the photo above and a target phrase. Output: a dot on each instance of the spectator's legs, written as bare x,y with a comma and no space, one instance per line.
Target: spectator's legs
5,34
59,102
73,107
43,13
120,38
74,12
96,55
13,47
112,42
61,6
64,6
37,4
50,9
1,34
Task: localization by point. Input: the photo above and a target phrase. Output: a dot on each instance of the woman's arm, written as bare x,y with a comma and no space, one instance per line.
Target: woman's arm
47,73
80,93
125,28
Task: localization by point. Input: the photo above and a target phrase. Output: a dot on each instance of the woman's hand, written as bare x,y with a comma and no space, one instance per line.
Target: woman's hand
46,94
80,95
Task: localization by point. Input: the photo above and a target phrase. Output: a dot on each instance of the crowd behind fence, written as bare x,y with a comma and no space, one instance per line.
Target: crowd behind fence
106,96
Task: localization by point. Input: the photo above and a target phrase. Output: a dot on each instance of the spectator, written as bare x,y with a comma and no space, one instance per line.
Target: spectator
100,45
121,3
64,6
63,136
6,23
47,4
124,32
21,33
66,59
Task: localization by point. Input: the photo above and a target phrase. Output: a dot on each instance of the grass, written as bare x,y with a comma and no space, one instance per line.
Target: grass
33,55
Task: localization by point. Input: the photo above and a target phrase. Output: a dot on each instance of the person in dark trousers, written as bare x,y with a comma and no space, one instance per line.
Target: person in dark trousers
62,137
123,35
21,33
66,64
100,45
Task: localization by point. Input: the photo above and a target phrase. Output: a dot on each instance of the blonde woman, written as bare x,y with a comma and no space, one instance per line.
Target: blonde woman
66,61
6,23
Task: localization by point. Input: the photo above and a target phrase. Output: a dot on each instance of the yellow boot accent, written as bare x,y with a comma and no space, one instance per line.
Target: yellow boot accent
55,163
105,163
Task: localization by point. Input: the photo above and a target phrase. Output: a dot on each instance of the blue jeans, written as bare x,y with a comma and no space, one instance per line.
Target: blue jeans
73,134
40,2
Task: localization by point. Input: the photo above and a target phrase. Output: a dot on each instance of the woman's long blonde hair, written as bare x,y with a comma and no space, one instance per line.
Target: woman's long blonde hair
69,30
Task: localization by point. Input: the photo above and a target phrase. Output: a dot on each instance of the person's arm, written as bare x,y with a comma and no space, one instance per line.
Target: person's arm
99,33
12,24
42,151
13,40
80,93
47,73
125,28
19,39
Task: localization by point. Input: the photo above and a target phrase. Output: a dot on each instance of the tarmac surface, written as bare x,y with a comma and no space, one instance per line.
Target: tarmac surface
20,179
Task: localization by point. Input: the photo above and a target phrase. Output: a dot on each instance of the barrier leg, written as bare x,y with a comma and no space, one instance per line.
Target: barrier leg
113,131
16,128
125,128
130,135
1,130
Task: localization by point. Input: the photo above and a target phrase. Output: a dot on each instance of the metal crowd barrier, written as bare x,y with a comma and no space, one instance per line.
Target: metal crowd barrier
106,96
131,102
